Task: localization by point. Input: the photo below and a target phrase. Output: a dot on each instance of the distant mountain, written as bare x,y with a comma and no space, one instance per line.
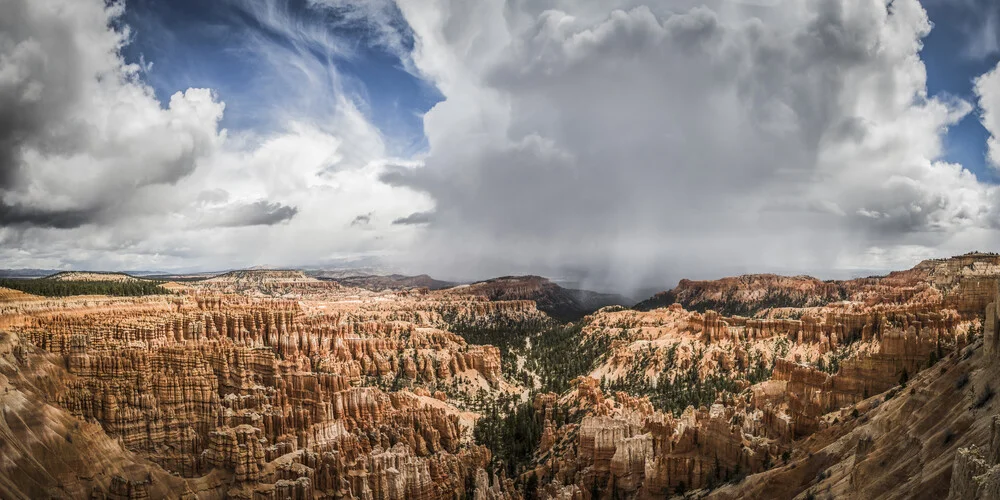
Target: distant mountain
348,272
262,276
755,294
564,304
747,294
391,282
42,273
26,273
182,277
92,276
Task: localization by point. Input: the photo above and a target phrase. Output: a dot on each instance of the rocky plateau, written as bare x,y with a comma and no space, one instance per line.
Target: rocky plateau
272,384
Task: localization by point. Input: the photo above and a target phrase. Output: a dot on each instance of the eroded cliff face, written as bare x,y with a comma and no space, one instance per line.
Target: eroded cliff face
976,472
937,436
556,301
963,283
622,446
273,386
790,385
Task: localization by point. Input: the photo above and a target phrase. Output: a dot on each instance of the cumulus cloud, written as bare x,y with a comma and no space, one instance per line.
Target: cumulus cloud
415,218
79,134
649,143
96,172
631,143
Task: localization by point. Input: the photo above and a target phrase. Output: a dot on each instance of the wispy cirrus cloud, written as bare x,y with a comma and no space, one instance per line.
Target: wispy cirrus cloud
96,169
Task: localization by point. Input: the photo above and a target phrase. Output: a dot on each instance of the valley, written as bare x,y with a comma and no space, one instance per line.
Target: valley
273,384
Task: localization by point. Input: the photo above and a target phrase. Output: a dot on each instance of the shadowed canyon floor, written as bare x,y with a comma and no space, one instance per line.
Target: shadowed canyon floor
268,384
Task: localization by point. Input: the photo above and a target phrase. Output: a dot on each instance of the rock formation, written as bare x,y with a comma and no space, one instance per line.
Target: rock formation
831,352
273,385
273,397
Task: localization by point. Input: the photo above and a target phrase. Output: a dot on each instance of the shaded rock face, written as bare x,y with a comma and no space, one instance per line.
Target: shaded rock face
556,301
379,283
273,397
653,455
625,448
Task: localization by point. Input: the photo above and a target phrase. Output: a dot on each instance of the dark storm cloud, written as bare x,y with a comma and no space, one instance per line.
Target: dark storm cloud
33,91
656,142
362,220
56,219
259,213
396,175
415,218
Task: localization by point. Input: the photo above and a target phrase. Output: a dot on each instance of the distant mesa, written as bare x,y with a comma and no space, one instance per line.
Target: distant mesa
271,384
26,273
756,294
378,283
743,295
262,275
564,304
69,283
93,276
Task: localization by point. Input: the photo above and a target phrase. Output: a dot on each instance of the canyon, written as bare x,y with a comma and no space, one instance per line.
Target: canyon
273,384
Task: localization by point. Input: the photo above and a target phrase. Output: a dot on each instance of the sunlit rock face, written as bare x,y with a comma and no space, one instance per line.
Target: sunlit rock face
831,353
261,385
272,385
964,283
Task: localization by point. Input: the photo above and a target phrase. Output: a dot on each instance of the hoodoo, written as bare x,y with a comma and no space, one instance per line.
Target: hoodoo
271,384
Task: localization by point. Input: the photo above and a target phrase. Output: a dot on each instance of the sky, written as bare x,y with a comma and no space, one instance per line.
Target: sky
621,144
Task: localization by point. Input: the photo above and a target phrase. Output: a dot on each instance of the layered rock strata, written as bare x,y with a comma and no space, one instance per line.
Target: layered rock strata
295,397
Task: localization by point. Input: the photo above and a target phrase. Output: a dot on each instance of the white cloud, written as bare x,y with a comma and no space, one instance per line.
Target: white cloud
987,88
635,143
654,142
79,133
95,172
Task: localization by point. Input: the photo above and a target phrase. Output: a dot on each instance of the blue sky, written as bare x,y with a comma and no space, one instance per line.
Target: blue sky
192,43
563,135
955,53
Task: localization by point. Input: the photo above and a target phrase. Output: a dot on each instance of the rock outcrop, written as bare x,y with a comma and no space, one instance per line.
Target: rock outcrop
316,391
806,363
273,385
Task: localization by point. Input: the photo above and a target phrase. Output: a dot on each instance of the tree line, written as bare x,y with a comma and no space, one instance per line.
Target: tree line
64,288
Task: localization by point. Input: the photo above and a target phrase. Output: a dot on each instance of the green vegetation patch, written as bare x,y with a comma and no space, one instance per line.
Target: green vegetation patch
511,430
551,354
64,288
